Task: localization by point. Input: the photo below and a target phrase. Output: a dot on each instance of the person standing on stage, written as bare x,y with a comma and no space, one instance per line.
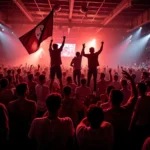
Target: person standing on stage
55,55
76,64
93,63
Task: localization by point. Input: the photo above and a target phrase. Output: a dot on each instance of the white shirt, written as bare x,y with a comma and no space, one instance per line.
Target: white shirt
126,95
95,139
82,92
143,110
102,86
51,134
42,91
73,88
116,85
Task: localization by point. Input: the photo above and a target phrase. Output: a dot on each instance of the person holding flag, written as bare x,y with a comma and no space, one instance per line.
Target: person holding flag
55,56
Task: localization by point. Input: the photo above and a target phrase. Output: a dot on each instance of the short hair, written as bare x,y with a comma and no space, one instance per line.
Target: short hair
102,75
77,54
95,116
69,79
83,81
18,70
92,49
21,89
142,87
124,82
4,83
145,73
30,76
42,77
9,71
109,88
67,90
148,83
53,102
55,45
37,73
116,97
116,76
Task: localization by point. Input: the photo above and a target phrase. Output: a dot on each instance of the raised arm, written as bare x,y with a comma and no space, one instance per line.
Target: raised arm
101,48
63,43
83,52
110,75
134,94
50,46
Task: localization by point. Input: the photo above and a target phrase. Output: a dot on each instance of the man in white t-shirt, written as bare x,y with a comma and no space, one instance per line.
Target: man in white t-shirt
116,83
125,91
83,91
72,85
42,91
102,84
52,132
93,133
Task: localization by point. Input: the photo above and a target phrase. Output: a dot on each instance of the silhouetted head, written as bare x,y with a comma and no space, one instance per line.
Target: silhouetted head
53,103
1,75
4,83
8,72
83,81
64,74
116,97
77,54
141,87
55,46
18,71
21,89
95,116
145,75
102,76
116,77
69,79
30,77
92,50
109,89
148,84
67,90
124,83
42,79
133,76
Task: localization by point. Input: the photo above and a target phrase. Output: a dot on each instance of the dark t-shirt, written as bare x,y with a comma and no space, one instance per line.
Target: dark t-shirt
92,60
55,57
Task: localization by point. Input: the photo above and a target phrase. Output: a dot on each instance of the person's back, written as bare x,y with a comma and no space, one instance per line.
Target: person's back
70,107
83,91
31,85
102,84
6,95
143,109
72,85
120,116
52,132
21,112
98,135
125,91
42,91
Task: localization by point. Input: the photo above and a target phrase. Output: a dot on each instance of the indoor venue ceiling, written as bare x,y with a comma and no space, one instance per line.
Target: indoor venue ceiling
70,14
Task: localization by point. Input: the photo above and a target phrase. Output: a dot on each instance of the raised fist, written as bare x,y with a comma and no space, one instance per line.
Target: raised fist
102,42
64,37
84,45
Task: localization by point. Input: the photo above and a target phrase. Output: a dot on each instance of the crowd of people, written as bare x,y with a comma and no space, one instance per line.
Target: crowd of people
39,111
